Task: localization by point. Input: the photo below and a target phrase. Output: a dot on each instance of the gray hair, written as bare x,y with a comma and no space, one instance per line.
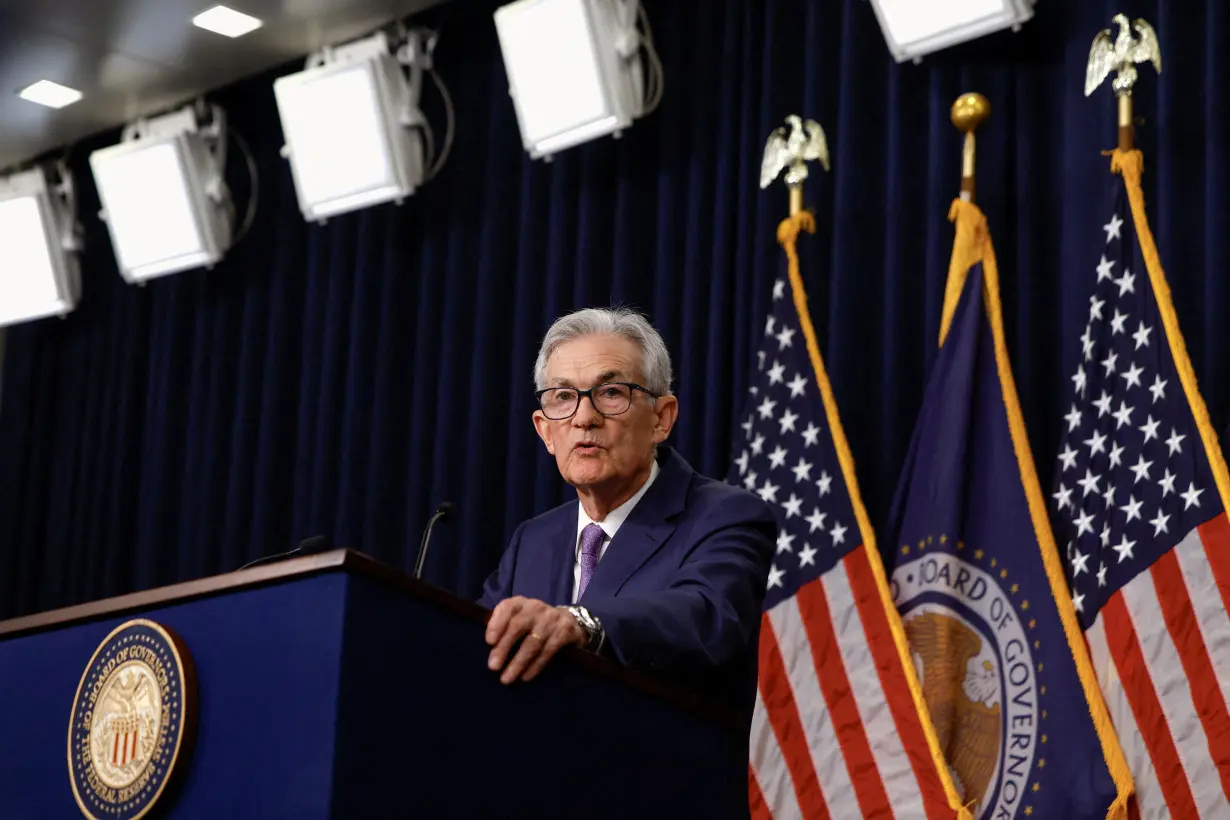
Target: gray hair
655,359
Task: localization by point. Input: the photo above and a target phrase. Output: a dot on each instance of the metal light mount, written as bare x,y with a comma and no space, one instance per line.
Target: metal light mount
63,195
628,43
415,54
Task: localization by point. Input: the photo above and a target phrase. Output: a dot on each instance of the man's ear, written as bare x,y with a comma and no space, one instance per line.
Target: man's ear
542,426
667,410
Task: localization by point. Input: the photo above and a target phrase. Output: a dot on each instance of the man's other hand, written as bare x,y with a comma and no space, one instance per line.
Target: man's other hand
542,629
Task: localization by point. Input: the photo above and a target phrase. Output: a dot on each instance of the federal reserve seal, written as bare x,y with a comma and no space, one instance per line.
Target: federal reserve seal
132,722
968,636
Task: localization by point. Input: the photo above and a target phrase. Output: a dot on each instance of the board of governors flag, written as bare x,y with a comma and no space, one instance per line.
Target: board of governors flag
837,730
980,586
1139,505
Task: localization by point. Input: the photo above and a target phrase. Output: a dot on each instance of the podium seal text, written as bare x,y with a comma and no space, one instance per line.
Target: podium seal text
133,721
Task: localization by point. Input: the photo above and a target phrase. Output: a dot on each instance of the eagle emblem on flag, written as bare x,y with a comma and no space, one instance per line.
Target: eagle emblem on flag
959,694
967,630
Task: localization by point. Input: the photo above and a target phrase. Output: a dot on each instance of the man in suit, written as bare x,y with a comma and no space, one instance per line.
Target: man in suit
653,564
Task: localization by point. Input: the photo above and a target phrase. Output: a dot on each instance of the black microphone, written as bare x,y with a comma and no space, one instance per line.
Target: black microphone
308,546
445,509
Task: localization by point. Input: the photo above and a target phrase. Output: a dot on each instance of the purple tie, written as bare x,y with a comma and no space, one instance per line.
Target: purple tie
591,540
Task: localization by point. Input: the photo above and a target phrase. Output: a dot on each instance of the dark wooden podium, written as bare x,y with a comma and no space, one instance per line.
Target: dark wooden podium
332,686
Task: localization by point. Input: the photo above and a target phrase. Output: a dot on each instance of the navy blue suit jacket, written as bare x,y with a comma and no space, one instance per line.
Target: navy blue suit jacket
679,589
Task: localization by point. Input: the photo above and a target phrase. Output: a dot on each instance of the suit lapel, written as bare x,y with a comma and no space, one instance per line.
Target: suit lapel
562,546
647,528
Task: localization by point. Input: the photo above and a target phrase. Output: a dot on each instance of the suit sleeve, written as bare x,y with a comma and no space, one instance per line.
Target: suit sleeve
710,613
500,583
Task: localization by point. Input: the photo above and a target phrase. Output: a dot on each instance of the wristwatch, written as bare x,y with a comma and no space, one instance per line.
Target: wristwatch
591,625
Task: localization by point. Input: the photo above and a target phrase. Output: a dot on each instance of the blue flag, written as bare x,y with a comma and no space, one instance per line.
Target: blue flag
979,585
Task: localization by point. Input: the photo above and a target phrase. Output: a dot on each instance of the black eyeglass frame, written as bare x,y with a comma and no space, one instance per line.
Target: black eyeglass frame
581,394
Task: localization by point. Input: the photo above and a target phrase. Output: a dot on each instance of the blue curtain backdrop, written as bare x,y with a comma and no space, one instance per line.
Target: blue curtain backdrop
345,379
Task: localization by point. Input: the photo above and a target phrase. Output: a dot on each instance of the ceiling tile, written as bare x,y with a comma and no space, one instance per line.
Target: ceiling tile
135,57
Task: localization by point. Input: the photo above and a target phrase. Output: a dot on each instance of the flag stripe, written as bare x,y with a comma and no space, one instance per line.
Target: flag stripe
814,668
1150,801
1133,676
782,707
829,632
900,747
1211,616
1216,537
1165,668
767,764
1184,630
758,808
870,723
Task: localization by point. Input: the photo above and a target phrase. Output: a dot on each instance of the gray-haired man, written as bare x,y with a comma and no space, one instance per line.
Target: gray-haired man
654,564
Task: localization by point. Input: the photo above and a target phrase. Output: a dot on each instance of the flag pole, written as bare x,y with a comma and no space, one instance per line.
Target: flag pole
968,112
1126,134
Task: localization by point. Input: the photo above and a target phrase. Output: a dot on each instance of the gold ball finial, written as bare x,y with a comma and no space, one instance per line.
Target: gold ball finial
969,111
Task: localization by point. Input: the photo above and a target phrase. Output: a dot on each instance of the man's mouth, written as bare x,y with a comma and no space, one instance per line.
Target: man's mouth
586,447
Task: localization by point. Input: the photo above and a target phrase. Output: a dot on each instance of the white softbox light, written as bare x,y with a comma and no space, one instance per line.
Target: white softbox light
164,201
346,123
914,28
573,67
39,274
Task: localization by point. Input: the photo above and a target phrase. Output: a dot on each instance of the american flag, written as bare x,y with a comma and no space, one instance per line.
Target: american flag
835,732
1140,517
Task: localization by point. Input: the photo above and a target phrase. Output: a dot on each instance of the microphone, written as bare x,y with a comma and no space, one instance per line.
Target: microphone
308,546
445,509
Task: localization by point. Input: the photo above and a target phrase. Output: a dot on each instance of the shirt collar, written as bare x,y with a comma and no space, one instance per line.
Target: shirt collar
616,517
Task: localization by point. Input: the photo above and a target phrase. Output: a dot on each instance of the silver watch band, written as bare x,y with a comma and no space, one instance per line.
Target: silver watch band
591,625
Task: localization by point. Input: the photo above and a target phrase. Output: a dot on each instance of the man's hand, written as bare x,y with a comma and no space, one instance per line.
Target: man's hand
542,629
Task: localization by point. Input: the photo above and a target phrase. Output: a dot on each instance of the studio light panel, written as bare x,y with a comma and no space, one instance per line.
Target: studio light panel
346,144
566,78
157,204
38,277
913,28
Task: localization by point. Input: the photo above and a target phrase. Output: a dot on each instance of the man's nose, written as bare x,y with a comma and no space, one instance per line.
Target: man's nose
587,415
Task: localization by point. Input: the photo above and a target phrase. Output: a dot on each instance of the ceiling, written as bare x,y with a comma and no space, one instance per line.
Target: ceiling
131,58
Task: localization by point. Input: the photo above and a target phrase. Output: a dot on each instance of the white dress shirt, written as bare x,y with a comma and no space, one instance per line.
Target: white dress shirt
610,525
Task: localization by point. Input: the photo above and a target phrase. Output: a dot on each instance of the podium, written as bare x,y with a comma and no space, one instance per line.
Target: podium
332,686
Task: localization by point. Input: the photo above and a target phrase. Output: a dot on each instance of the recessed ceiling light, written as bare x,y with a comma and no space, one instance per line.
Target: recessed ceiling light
52,95
225,21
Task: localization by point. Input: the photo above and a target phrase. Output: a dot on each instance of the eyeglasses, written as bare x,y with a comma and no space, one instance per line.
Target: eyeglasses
609,399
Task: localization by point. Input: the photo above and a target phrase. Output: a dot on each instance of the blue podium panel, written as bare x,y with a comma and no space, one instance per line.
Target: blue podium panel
266,664
427,731
334,687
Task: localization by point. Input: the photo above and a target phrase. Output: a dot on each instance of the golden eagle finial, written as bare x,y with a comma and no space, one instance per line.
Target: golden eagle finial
1121,55
791,150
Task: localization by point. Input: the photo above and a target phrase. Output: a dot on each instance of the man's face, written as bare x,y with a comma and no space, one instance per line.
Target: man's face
593,451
